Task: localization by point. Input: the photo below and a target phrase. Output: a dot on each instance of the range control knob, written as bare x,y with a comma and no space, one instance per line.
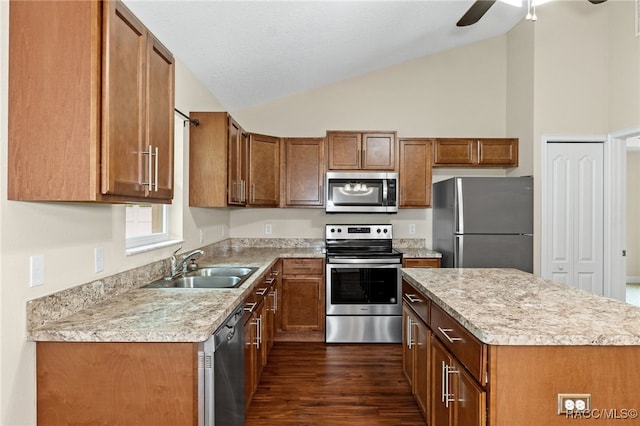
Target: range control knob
385,231
332,230
339,230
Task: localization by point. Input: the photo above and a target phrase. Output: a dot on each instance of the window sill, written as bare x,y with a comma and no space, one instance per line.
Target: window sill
149,247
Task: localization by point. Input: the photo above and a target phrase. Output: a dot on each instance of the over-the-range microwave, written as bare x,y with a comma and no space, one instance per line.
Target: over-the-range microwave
361,192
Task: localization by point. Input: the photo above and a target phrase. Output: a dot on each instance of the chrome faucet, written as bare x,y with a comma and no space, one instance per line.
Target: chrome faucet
181,267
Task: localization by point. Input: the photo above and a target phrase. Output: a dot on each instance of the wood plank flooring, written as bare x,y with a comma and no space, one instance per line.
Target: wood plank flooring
318,384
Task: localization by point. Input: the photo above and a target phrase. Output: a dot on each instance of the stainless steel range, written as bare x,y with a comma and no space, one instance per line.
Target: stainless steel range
364,285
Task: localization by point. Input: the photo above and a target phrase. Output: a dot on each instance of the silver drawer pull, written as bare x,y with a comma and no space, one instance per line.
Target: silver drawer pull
261,291
269,280
249,307
412,298
444,332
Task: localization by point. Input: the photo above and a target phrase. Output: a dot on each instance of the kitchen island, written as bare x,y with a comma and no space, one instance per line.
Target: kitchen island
505,344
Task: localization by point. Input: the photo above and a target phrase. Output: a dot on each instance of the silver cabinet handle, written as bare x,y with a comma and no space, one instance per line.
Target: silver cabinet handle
449,396
275,300
261,291
269,280
412,298
249,307
259,331
275,273
444,332
443,381
156,179
409,332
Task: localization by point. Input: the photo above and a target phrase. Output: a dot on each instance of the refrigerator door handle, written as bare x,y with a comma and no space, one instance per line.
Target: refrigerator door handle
459,250
459,207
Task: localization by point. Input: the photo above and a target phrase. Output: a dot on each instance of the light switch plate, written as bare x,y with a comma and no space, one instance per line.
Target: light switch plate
267,229
98,257
36,270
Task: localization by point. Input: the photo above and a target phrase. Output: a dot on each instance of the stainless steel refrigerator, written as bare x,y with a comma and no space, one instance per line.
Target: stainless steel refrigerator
484,222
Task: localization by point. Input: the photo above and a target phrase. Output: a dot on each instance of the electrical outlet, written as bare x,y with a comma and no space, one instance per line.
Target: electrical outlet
412,228
267,229
98,258
201,236
36,265
573,402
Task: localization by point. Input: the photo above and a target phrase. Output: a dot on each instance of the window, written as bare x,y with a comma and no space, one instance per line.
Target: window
146,224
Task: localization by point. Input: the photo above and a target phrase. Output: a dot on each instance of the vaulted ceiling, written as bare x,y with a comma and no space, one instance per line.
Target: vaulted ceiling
251,52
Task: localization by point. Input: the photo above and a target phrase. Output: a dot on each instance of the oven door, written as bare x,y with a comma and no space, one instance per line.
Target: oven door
364,288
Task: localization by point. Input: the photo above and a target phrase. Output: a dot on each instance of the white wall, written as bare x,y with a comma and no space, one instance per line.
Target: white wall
66,234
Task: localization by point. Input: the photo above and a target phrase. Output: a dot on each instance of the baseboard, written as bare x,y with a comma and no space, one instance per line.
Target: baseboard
633,280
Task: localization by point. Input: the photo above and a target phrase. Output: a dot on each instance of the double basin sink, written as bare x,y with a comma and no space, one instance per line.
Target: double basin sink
207,277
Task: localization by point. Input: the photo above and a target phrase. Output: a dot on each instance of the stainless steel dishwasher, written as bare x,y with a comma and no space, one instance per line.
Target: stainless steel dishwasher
221,375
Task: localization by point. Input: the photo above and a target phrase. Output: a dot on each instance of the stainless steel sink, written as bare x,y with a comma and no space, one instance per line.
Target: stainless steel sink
207,277
217,271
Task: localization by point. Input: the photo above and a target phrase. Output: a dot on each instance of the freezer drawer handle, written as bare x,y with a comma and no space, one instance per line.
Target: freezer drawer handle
444,332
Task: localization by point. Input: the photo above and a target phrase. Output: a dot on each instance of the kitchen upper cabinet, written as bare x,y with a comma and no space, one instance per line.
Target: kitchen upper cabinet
415,172
238,165
349,150
264,171
210,144
458,152
303,172
91,105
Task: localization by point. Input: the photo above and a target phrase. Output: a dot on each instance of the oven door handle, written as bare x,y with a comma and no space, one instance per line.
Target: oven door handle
364,261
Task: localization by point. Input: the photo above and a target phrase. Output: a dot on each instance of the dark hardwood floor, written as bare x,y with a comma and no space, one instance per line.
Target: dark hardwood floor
319,384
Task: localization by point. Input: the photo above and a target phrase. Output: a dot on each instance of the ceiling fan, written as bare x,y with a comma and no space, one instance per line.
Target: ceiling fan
480,7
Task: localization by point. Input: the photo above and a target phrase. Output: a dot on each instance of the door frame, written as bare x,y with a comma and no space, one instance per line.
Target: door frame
545,212
617,142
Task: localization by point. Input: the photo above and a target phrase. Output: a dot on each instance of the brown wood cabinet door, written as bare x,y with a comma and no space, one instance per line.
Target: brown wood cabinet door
408,352
454,152
441,410
498,152
208,144
303,172
421,375
302,304
124,160
415,172
264,171
160,117
378,151
470,399
236,164
344,149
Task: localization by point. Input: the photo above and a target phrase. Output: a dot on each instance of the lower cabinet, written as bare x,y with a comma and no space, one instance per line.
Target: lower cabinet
415,356
456,398
443,363
117,383
303,308
420,262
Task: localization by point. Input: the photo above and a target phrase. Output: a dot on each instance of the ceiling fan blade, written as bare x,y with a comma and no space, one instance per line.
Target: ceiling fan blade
596,1
477,11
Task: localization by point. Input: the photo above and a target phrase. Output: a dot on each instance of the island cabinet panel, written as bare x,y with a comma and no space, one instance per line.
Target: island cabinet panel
104,129
416,339
349,150
117,383
303,309
415,172
525,381
303,172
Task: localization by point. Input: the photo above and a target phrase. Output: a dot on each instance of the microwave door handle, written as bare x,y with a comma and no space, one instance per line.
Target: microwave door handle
385,193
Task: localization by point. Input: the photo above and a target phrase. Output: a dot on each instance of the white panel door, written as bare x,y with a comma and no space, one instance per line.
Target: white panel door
574,237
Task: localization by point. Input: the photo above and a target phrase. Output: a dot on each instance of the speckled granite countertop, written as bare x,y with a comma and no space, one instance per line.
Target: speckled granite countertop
165,315
510,307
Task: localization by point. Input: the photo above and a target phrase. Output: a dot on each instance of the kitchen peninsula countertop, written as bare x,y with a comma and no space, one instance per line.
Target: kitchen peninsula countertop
165,314
510,307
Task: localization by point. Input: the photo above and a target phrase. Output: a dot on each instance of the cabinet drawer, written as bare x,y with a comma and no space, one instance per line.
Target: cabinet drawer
416,301
470,351
421,262
303,266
